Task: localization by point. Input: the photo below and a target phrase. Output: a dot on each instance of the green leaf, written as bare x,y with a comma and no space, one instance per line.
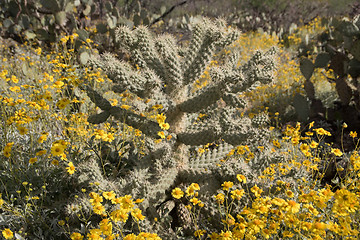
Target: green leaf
115,13
301,106
69,7
137,7
120,3
101,28
8,23
355,50
111,21
30,35
87,10
25,21
322,60
137,20
143,14
24,69
108,6
349,29
42,34
306,68
146,21
126,22
60,18
84,57
16,29
162,9
83,35
52,5
354,68
73,21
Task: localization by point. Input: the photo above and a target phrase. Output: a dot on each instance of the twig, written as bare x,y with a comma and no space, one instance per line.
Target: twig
168,12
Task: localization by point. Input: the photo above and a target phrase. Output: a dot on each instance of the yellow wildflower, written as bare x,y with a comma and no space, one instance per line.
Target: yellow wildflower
161,134
109,195
7,233
71,168
32,160
119,215
241,178
106,227
99,209
177,193
192,188
199,233
42,138
227,185
292,207
321,131
76,236
237,194
57,149
314,144
94,234
195,201
136,213
164,126
126,107
353,134
336,152
220,198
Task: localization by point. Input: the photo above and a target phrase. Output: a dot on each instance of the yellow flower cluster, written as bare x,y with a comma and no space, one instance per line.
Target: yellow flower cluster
274,217
7,149
122,208
160,118
58,148
103,135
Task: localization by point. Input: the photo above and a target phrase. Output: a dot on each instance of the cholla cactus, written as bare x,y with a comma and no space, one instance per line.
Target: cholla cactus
164,72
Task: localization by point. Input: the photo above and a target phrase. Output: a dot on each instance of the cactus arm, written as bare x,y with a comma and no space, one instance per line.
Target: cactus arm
232,99
147,126
203,98
195,44
172,66
203,57
209,159
232,36
200,134
148,52
126,38
260,67
99,118
96,98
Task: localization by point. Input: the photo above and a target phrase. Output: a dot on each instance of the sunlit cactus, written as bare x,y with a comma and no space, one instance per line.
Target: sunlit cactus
164,72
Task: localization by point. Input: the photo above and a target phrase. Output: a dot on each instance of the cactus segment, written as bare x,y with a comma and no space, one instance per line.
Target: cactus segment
195,44
148,53
173,72
147,126
203,99
95,97
99,118
209,159
202,58
200,134
232,99
322,60
126,38
306,68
